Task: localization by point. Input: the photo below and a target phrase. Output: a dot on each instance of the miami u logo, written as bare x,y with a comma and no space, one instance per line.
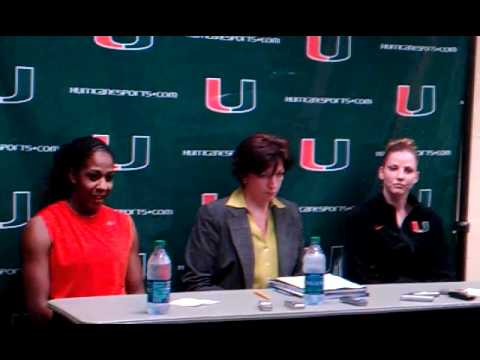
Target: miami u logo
343,49
341,156
415,227
209,197
425,197
140,43
213,96
23,86
140,152
20,210
427,101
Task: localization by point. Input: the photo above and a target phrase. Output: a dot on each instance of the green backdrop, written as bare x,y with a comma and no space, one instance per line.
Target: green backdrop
174,108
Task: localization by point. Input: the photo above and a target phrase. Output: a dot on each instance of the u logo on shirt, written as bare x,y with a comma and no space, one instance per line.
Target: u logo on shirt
416,228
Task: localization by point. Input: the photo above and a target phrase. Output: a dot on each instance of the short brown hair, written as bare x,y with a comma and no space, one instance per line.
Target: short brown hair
257,152
403,144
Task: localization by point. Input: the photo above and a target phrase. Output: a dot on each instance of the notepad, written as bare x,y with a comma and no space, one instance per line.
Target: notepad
334,286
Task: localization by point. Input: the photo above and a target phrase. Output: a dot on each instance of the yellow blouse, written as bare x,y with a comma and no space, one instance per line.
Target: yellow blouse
264,248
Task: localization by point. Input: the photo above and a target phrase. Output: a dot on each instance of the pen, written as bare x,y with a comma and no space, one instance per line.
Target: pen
413,297
261,294
426,293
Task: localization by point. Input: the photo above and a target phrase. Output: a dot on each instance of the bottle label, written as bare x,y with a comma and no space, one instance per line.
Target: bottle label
314,284
158,291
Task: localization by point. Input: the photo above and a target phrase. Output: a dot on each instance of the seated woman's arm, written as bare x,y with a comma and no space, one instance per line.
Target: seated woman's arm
359,265
298,238
201,253
35,246
134,279
438,262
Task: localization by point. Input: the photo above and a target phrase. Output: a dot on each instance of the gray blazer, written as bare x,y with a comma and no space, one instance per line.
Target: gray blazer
219,253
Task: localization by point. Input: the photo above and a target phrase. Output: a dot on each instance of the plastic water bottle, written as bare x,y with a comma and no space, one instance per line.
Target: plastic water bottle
314,270
159,273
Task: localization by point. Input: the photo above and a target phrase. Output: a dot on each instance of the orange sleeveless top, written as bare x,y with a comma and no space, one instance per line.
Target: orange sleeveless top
88,254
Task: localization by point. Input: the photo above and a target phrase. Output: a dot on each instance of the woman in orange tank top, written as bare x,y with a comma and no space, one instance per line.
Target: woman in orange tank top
76,245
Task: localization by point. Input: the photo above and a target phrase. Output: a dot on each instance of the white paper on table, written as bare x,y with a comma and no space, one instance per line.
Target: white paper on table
472,291
331,282
193,302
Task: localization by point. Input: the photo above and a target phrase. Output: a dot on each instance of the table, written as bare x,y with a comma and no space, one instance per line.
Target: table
236,322
241,305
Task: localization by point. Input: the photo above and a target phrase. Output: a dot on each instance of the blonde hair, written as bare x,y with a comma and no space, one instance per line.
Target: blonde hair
403,144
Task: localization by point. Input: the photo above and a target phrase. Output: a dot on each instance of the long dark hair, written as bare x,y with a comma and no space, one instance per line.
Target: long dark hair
70,157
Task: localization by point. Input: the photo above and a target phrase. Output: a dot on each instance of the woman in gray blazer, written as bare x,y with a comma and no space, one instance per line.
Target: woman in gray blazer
252,235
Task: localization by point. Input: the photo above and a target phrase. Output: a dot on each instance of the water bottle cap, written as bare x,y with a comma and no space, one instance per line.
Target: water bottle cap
160,243
315,240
